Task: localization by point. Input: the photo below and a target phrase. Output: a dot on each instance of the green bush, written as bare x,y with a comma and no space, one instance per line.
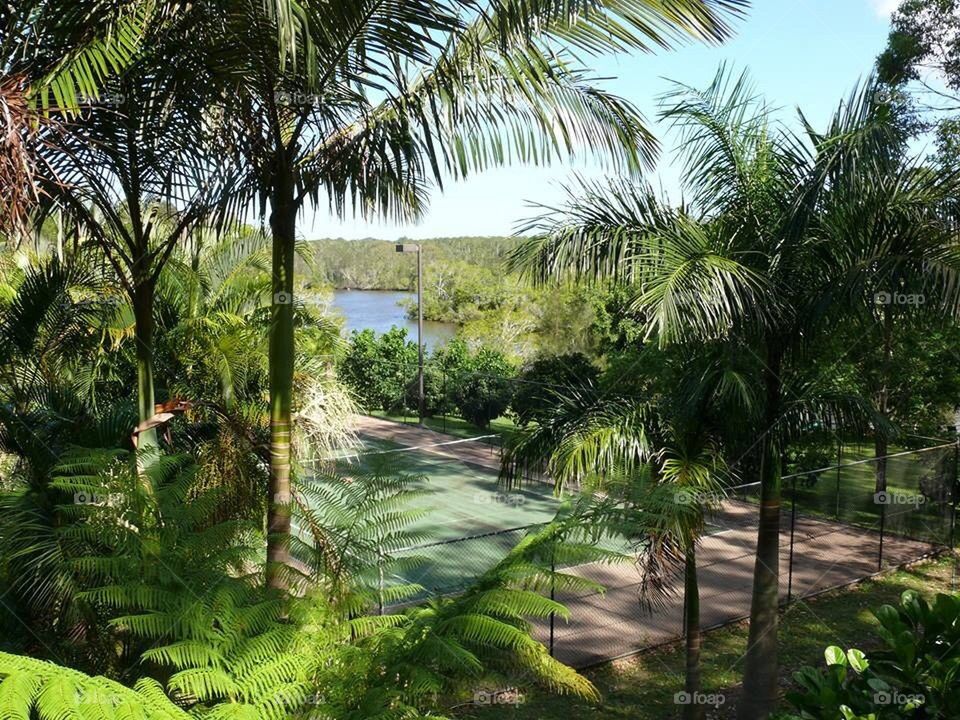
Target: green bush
483,388
539,382
378,368
915,675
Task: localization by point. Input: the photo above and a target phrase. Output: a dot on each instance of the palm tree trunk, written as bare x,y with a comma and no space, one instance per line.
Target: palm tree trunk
283,226
691,596
761,671
143,335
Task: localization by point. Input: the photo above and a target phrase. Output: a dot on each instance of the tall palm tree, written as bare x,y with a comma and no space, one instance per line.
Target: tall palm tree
656,459
755,262
138,171
368,104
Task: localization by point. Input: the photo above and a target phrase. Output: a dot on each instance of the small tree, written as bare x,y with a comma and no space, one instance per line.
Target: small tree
483,390
378,367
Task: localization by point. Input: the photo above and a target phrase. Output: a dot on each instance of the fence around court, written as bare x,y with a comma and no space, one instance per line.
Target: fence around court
835,530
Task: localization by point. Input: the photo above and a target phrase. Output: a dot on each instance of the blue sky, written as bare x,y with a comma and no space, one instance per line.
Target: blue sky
799,53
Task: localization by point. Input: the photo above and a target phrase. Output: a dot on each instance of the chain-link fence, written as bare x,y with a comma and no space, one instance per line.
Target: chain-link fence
836,528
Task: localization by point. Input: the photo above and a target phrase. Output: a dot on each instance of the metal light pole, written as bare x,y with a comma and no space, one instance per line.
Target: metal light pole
410,248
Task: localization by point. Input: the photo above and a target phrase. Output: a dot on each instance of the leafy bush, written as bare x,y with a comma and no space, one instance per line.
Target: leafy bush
539,381
483,389
916,673
379,368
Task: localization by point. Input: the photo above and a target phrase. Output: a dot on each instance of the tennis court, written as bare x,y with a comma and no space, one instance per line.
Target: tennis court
832,534
470,520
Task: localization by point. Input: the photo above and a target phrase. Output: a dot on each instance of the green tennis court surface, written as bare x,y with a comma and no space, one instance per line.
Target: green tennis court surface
463,498
470,520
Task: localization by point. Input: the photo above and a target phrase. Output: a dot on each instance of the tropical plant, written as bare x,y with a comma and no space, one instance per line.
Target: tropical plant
139,172
538,380
182,597
655,456
759,262
458,87
52,326
59,49
914,674
37,688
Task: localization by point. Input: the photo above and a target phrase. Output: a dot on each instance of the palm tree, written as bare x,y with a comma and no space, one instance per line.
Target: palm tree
61,49
755,262
368,105
655,458
138,173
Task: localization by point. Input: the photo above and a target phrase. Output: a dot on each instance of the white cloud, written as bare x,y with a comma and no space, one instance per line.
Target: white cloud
885,8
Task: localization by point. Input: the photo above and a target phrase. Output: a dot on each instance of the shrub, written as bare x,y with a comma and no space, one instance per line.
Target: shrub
379,368
482,390
539,381
916,673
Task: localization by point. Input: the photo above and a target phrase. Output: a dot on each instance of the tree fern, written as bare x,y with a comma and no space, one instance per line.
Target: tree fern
32,688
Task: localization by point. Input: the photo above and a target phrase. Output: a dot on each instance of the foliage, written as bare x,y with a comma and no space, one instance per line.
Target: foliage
916,673
920,68
540,381
181,595
483,387
785,238
59,49
378,368
37,688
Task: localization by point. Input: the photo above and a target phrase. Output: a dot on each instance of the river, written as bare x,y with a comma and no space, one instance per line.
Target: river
380,310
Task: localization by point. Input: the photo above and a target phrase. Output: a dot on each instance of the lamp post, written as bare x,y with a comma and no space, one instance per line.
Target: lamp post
412,248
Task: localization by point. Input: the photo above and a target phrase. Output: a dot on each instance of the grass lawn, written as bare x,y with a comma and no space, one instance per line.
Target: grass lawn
918,486
642,687
455,426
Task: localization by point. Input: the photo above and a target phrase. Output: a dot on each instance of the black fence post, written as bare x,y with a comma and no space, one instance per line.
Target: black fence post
444,391
553,588
380,582
793,527
883,518
953,509
839,463
953,494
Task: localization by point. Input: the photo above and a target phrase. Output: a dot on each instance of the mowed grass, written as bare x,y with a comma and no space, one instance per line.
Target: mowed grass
458,427
642,687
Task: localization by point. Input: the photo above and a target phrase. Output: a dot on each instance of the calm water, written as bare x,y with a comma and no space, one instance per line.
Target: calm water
380,310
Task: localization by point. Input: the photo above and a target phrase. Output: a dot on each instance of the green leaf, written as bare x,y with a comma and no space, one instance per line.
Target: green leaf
835,656
858,661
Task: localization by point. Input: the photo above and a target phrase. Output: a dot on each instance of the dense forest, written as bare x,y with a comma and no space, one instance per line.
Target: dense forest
467,281
372,264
